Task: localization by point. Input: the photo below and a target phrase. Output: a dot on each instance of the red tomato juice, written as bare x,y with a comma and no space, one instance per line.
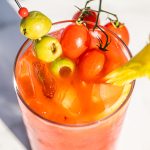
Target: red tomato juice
70,113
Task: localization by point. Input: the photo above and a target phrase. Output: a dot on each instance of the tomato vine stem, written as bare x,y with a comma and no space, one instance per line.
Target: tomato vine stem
99,10
101,47
87,3
104,11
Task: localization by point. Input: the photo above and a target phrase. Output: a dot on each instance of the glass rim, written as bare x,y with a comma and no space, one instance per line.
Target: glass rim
71,125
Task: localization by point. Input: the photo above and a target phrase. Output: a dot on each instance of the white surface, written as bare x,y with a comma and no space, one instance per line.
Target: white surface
8,140
136,15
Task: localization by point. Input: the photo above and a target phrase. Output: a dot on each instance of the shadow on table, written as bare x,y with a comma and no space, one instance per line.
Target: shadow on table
10,42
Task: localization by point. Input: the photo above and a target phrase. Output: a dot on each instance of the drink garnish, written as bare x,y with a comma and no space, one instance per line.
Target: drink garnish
138,66
47,48
47,81
62,67
34,24
23,11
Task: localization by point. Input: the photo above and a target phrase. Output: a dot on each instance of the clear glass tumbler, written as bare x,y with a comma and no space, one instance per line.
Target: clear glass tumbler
48,135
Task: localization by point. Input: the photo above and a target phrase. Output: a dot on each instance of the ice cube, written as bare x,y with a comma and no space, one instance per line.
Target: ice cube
110,93
23,68
24,81
71,101
97,104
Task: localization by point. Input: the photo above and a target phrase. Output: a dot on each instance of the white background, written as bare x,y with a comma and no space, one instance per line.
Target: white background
135,14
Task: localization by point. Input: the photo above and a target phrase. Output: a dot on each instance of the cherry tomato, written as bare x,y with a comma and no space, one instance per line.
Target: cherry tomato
95,37
91,16
23,12
114,51
75,40
115,56
120,30
91,64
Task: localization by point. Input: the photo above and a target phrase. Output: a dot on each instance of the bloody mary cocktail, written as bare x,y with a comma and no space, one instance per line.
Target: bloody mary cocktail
65,103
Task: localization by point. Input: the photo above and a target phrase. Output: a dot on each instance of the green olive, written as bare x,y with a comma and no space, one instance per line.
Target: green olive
47,48
62,67
35,25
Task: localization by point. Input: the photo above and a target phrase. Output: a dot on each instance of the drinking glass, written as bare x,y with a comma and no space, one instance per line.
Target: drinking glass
48,135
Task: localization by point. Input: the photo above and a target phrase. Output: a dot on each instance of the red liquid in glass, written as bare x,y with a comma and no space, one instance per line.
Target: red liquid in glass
71,105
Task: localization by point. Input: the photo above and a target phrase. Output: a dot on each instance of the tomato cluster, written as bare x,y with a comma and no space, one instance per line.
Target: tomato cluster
87,14
83,42
75,42
84,45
